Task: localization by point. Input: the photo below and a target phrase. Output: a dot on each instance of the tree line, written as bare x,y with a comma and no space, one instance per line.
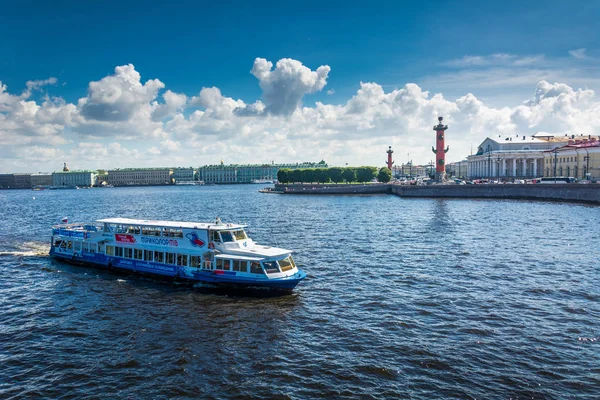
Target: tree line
333,174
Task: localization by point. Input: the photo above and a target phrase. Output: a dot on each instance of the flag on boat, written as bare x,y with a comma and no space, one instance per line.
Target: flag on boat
64,220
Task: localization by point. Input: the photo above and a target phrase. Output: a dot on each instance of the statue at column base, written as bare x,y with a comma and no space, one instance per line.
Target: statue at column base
440,177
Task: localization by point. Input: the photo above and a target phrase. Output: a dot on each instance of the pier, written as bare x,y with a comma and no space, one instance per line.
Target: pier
588,193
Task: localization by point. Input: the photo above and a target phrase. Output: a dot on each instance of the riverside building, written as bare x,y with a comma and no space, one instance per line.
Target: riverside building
579,159
73,178
139,176
515,156
247,173
183,174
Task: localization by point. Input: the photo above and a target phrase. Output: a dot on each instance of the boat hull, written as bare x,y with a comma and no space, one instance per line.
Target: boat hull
218,278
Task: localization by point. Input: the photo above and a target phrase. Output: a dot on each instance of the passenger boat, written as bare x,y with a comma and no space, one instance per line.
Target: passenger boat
215,253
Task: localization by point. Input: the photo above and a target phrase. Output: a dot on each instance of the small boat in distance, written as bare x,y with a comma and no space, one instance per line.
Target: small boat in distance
209,253
262,181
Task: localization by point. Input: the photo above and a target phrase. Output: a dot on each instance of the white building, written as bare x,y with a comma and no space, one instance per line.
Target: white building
139,176
73,178
515,156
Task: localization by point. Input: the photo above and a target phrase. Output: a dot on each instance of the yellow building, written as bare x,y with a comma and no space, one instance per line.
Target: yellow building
579,159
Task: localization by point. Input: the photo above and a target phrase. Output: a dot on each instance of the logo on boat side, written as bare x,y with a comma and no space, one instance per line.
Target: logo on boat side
195,240
119,237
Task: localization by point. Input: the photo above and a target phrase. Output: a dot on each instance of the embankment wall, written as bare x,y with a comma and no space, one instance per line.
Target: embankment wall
566,192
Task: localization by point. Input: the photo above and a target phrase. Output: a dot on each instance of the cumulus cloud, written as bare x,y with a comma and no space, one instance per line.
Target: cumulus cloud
285,86
104,128
173,103
119,96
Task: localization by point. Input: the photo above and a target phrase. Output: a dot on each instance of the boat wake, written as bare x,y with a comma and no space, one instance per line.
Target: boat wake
27,249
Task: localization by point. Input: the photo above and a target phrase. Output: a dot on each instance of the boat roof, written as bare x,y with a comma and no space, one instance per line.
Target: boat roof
170,224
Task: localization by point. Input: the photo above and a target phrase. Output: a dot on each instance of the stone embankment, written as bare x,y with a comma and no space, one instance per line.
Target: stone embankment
560,192
305,188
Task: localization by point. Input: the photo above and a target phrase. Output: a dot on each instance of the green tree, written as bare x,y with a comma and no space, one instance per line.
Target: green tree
384,175
308,175
349,174
365,174
283,175
295,176
322,175
336,174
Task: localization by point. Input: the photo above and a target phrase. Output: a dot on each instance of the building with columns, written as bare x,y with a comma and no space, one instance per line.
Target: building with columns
512,157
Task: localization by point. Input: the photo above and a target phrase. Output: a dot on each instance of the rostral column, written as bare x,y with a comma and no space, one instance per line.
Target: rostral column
440,152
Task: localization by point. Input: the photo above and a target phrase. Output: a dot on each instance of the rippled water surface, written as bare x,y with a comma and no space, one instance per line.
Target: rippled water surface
405,298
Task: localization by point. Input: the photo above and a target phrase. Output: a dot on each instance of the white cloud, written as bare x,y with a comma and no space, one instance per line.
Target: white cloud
499,59
330,92
579,53
118,97
35,85
285,86
123,122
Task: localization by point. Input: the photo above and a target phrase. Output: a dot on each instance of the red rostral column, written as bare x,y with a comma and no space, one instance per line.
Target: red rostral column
440,152
389,161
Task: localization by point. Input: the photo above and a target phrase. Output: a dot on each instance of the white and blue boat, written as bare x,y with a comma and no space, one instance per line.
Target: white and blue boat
215,253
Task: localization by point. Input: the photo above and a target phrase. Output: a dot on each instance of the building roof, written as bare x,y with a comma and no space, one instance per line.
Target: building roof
88,171
169,224
515,139
139,169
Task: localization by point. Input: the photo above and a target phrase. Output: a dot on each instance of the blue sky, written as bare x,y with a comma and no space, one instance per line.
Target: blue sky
498,51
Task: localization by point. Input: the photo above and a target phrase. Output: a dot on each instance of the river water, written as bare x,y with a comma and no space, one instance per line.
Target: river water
405,298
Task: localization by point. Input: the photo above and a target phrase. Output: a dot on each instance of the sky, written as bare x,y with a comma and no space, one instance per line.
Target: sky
187,83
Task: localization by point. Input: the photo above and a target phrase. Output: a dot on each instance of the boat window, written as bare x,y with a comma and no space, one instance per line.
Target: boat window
286,264
137,254
271,267
119,251
92,247
241,266
214,236
110,250
255,268
182,259
77,246
240,235
128,252
226,236
148,255
195,261
224,264
207,264
170,257
57,242
137,230
159,256
69,244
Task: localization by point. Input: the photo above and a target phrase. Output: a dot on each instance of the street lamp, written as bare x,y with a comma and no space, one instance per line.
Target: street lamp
555,151
587,164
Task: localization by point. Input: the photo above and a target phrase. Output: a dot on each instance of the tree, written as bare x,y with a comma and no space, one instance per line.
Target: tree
308,175
384,175
322,175
365,174
296,175
336,174
283,175
349,174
